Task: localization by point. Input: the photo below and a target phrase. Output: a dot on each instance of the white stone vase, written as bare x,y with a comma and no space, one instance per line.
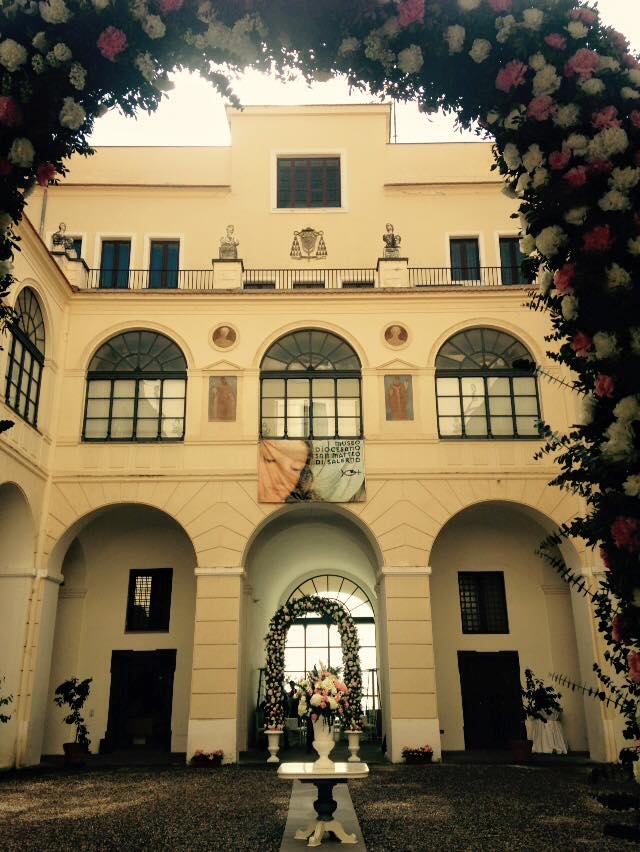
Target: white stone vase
274,744
323,743
354,746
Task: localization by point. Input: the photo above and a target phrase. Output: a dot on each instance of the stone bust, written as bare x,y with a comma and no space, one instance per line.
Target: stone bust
61,242
228,245
391,242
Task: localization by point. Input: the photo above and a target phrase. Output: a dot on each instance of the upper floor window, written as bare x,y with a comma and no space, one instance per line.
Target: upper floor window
77,246
483,604
26,357
149,599
511,259
136,388
310,388
485,387
465,259
309,182
163,264
114,264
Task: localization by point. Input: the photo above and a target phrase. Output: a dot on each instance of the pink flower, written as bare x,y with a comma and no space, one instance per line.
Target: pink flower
617,39
634,667
563,279
542,108
586,16
604,387
606,559
511,76
606,117
624,532
600,167
576,177
170,5
111,43
559,160
556,40
45,173
10,112
618,630
583,63
635,118
411,12
631,61
598,239
581,344
501,5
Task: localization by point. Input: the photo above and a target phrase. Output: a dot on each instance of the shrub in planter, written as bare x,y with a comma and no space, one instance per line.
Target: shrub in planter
72,694
207,758
417,754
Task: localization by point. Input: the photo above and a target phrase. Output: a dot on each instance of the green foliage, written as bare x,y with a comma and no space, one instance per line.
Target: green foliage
73,693
5,700
537,699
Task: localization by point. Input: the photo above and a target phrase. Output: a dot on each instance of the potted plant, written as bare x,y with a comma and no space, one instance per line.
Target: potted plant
207,758
353,736
417,754
73,693
538,702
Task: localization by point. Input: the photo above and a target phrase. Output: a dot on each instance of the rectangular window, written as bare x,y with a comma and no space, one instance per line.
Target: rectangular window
465,259
311,408
483,603
77,246
163,264
487,407
309,182
149,600
114,264
511,261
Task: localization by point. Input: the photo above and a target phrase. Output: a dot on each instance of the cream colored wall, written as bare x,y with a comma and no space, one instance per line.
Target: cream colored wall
91,614
497,537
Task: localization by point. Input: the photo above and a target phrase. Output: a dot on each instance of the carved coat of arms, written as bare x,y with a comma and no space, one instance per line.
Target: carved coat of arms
308,244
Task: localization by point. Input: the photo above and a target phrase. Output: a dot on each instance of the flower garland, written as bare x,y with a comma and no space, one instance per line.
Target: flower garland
276,640
558,90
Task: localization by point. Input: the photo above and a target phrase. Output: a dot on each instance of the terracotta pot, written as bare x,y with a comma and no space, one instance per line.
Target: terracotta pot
520,750
75,754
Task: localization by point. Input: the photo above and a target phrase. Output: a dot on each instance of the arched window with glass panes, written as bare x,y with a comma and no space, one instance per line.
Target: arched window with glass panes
486,387
26,357
310,387
136,389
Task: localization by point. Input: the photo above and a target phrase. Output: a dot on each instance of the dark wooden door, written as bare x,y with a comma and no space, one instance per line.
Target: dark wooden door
491,698
140,699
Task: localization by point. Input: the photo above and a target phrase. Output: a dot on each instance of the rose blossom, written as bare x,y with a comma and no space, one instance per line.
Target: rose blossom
511,76
111,43
635,118
411,12
586,16
500,5
556,40
541,108
563,279
625,535
10,113
576,177
598,239
618,632
583,63
170,5
604,386
559,160
600,167
45,173
581,344
634,667
607,117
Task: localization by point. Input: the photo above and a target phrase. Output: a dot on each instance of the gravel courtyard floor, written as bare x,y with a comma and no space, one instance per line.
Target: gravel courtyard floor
244,808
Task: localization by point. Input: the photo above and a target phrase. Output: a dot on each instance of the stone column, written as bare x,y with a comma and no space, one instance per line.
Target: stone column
216,653
406,653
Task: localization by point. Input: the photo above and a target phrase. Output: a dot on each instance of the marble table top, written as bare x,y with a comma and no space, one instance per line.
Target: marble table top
306,772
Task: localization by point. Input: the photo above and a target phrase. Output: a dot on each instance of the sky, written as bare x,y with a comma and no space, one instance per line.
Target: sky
193,113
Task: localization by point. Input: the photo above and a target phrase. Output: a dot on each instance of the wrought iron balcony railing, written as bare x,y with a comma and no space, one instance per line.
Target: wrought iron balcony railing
302,279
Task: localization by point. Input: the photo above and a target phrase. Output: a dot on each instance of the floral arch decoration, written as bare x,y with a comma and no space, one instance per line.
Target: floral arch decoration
275,647
557,90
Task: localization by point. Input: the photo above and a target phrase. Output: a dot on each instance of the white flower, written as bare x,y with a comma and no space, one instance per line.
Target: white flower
468,5
549,240
592,86
589,405
515,118
578,143
546,81
410,60
316,700
567,116
391,27
624,179
614,201
634,333
576,216
577,29
569,307
617,277
546,282
511,156
633,246
5,221
505,25
348,45
6,268
608,143
21,152
629,94
61,52
72,114
527,245
39,41
12,54
37,63
537,61
532,158
628,409
632,486
619,441
533,19
480,50
100,5
492,117
333,704
146,66
634,75
540,178
54,11
523,183
454,36
77,76
153,26
508,190
608,63
605,345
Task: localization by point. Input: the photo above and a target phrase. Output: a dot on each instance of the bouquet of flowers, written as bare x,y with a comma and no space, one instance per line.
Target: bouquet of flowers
417,754
322,694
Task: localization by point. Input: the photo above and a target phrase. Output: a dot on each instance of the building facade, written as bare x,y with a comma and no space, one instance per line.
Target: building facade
338,394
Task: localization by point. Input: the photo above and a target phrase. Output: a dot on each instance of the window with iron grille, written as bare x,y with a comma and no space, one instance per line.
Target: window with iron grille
149,600
309,182
26,357
310,388
511,259
483,604
486,387
136,390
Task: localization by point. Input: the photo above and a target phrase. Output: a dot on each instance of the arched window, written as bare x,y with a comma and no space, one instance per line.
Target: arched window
136,388
310,388
486,387
26,357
